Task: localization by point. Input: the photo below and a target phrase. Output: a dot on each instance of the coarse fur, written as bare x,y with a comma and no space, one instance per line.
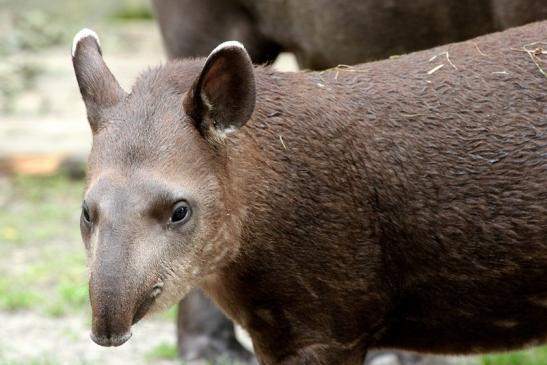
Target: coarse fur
393,204
325,33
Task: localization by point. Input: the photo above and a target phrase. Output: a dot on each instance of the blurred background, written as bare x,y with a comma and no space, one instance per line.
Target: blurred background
44,140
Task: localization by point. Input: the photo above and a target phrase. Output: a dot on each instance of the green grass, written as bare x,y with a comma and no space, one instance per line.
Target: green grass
169,314
55,287
162,351
42,259
40,210
132,12
535,356
14,297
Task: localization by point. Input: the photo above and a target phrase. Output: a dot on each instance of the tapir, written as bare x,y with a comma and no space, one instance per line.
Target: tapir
326,33
395,204
322,34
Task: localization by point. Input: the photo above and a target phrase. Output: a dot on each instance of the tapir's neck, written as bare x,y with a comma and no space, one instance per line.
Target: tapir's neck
298,174
298,169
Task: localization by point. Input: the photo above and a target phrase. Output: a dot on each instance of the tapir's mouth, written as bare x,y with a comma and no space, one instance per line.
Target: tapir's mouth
145,305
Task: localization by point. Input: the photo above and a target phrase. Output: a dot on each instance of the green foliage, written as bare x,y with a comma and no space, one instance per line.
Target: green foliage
132,12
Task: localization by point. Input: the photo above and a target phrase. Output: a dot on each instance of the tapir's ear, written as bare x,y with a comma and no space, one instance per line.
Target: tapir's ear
98,86
222,98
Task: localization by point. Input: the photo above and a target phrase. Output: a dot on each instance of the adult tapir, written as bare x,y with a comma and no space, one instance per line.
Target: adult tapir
326,33
396,204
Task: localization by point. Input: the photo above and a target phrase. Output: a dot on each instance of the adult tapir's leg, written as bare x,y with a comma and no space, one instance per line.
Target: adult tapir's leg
193,28
205,333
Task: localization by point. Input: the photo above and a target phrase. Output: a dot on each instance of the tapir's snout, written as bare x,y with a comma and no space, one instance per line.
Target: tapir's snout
112,313
116,306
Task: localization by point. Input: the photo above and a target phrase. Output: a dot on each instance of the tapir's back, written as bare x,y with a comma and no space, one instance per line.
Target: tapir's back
431,168
464,123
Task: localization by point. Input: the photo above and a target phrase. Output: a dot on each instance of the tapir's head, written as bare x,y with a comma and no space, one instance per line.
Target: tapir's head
158,215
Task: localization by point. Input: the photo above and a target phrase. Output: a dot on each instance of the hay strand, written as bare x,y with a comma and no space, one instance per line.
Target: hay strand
534,54
479,50
447,55
282,143
435,69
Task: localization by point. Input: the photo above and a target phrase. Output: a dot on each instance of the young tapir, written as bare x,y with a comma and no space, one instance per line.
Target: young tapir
326,33
321,33
398,204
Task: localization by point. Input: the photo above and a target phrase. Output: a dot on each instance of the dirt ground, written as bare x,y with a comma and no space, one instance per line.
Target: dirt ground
30,338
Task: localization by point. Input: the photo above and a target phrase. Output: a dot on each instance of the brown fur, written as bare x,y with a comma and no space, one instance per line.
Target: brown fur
325,33
372,206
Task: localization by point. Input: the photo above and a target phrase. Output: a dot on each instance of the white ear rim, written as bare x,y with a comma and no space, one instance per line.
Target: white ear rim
84,33
225,45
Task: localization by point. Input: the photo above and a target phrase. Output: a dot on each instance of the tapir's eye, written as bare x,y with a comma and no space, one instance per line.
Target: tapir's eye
181,213
85,213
